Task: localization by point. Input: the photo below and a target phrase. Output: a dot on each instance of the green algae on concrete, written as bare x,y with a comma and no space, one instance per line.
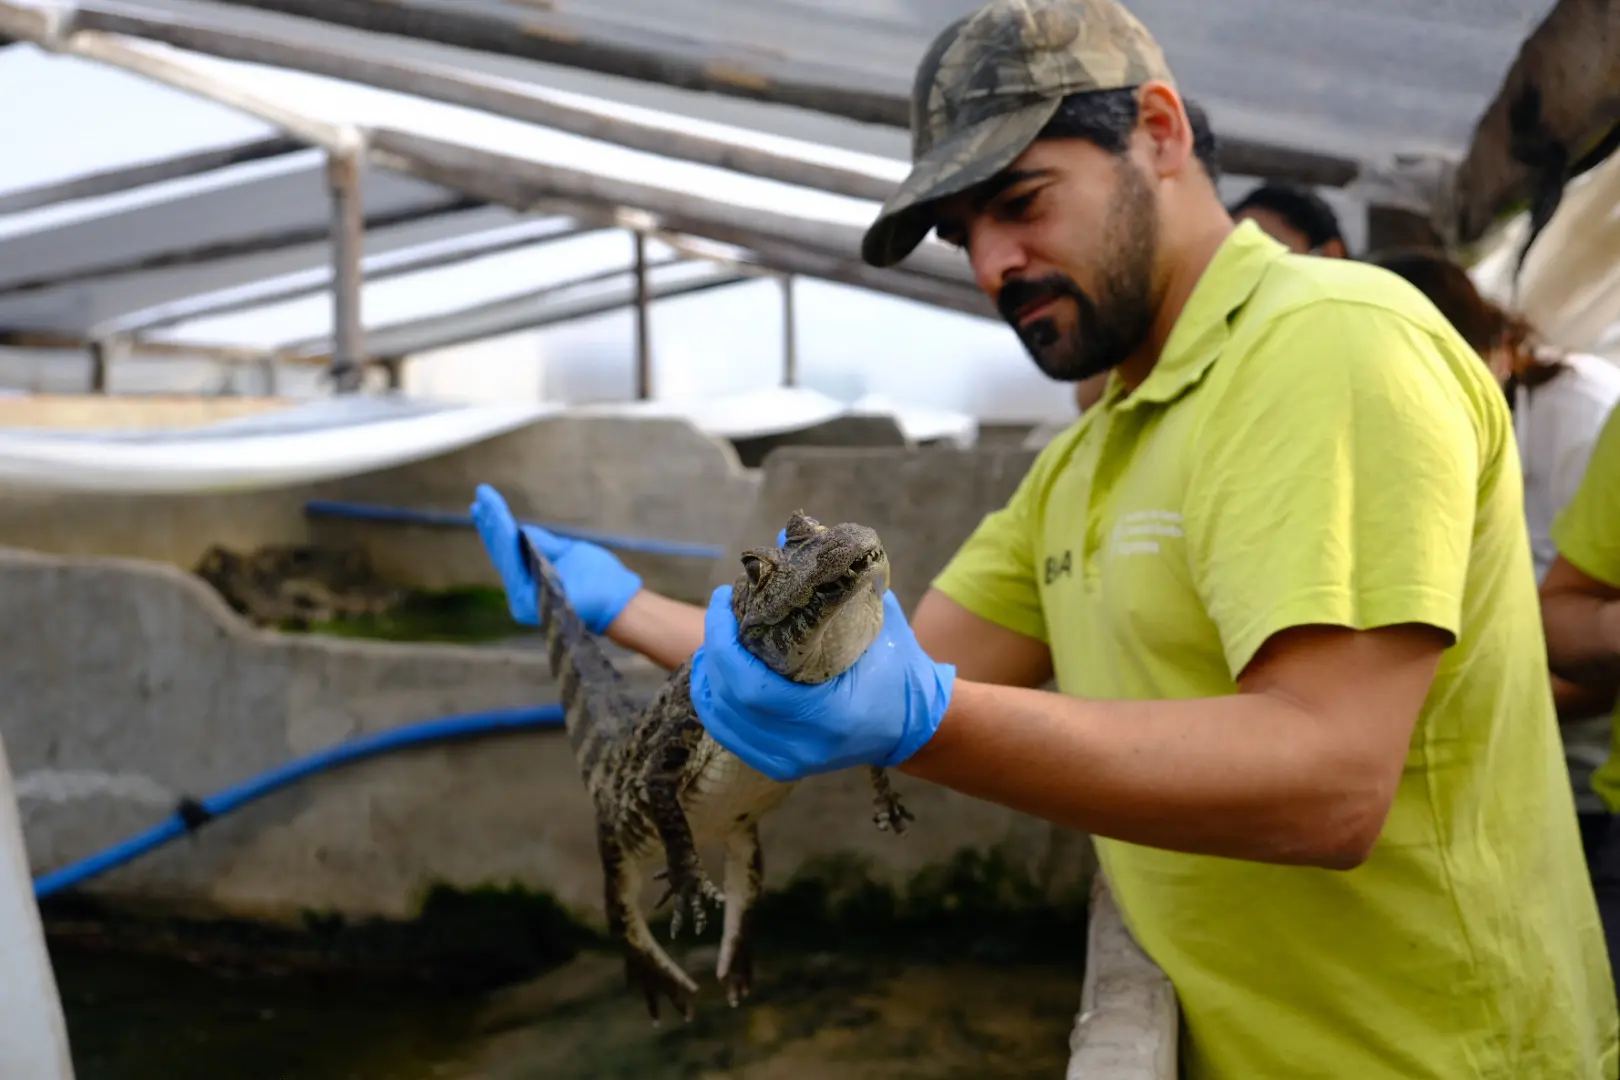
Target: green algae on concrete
466,615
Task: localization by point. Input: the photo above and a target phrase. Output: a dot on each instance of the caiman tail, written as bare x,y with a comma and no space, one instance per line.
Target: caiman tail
601,717
597,706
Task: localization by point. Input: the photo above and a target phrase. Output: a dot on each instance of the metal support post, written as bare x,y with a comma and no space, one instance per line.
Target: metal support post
790,334
348,243
98,367
643,321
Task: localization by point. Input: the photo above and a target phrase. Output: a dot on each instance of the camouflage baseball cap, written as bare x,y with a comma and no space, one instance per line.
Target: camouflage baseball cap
987,86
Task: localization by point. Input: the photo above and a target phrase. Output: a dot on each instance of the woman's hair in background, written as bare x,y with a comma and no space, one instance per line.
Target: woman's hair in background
1482,323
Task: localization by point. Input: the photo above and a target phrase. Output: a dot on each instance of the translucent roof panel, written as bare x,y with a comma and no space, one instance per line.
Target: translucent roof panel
1365,79
83,96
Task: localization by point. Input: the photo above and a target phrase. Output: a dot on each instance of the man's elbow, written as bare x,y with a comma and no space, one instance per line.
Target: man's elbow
1343,836
1347,854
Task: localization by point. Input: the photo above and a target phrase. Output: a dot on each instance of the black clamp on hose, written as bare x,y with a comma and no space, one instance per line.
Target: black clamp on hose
193,814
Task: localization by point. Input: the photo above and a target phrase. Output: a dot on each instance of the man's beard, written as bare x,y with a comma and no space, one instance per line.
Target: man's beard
1103,332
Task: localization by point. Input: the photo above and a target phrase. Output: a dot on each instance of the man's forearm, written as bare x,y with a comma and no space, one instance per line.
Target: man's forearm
1583,636
665,631
1249,776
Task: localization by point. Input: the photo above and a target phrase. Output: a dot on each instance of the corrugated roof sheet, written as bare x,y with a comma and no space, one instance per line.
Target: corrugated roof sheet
1366,79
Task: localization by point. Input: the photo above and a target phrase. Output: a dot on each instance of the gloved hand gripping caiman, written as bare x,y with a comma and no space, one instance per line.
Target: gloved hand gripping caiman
807,609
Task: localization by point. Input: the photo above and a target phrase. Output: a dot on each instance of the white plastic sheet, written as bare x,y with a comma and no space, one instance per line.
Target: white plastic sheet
777,410
345,436
321,440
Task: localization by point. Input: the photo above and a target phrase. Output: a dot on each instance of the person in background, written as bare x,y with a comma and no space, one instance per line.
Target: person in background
1300,219
1559,399
1580,612
1559,402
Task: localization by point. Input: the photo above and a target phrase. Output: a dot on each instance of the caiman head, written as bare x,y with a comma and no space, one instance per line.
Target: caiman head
809,608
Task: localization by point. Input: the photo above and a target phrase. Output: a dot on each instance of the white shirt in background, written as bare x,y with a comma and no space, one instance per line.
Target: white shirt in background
1556,426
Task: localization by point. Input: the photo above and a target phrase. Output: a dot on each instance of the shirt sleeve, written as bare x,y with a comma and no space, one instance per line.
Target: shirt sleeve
1335,479
1587,530
993,573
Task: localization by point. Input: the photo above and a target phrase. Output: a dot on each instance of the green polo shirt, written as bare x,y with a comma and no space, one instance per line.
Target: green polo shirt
1317,446
1587,534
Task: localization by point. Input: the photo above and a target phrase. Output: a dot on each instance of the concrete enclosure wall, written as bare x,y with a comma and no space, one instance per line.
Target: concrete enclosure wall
655,478
924,503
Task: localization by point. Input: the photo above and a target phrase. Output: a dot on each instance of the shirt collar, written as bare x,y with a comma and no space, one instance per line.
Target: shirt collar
1202,329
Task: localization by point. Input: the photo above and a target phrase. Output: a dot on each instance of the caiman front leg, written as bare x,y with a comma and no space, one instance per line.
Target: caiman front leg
745,870
890,812
688,884
647,967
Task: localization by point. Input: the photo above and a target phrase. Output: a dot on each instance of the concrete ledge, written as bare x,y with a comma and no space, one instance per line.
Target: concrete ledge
650,477
33,1033
1129,1022
923,502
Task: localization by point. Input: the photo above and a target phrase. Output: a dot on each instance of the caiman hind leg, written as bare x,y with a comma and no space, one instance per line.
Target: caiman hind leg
647,967
745,870
688,884
890,812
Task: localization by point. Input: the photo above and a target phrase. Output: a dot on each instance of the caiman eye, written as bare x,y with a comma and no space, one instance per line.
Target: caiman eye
755,568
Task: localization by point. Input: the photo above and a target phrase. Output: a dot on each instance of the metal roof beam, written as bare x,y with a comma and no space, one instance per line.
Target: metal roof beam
376,267
528,185
598,53
501,97
64,35
113,181
543,37
252,245
531,310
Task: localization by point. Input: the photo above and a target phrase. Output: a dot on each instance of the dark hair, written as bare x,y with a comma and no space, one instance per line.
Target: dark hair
1483,324
1107,118
1303,209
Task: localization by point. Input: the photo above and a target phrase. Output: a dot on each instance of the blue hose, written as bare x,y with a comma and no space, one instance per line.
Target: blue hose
372,512
193,814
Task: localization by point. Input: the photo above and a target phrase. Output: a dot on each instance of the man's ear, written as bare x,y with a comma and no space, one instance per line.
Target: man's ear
1163,119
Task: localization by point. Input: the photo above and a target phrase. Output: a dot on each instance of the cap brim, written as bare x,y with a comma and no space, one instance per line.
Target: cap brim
958,162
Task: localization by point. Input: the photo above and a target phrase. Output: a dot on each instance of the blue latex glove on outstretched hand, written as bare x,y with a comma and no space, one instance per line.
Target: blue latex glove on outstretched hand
597,583
879,712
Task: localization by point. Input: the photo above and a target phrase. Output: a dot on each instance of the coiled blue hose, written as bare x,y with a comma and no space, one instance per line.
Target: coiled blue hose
192,814
373,512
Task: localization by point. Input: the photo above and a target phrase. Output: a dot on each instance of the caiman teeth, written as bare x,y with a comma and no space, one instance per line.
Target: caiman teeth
863,564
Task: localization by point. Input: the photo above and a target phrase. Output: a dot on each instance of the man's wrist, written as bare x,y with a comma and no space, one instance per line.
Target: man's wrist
623,623
966,701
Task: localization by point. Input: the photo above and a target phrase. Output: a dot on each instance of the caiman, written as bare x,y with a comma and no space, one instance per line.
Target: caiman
661,786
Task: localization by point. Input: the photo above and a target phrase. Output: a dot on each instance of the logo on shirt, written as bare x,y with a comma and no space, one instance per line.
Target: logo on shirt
1139,532
1059,566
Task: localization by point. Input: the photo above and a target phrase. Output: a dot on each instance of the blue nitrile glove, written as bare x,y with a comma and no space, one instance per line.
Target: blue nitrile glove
598,585
879,712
